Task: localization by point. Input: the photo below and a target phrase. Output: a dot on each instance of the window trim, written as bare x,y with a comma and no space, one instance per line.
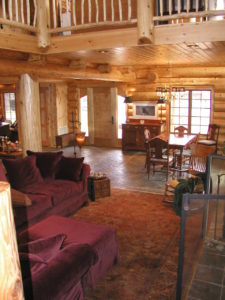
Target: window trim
196,88
7,91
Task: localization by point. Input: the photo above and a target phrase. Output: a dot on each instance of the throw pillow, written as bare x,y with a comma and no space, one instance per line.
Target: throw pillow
70,168
47,162
22,172
20,199
45,248
30,263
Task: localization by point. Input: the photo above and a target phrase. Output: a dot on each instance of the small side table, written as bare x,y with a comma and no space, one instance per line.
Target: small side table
98,187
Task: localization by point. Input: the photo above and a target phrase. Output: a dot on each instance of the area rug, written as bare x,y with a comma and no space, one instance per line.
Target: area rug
148,239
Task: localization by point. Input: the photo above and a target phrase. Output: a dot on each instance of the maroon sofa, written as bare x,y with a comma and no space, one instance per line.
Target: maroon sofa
55,185
83,254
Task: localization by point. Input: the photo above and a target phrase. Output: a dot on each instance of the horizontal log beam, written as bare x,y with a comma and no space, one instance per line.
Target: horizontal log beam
18,41
210,31
114,38
16,68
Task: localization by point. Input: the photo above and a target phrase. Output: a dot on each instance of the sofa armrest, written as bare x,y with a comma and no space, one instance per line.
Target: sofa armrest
85,172
62,273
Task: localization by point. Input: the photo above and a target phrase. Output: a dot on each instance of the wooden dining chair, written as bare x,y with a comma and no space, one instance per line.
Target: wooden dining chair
197,166
212,136
180,131
159,155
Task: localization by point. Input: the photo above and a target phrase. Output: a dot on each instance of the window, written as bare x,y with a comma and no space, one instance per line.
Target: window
192,110
10,106
121,111
84,115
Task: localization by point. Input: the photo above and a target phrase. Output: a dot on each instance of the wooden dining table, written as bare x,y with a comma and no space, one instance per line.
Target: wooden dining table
177,142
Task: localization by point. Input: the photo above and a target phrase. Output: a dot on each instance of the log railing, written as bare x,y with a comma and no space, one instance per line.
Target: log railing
76,15
49,18
19,14
189,10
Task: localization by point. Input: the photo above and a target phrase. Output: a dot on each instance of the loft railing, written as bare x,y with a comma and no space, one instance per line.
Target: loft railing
76,15
48,18
189,11
19,14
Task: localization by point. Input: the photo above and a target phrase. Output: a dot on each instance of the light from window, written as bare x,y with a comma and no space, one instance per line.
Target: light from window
10,107
192,110
121,111
84,115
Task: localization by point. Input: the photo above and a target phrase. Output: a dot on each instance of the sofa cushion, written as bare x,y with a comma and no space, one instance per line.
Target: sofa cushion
70,168
22,172
20,199
46,162
58,190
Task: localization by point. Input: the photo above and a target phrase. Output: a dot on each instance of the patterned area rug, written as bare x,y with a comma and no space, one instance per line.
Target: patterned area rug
148,239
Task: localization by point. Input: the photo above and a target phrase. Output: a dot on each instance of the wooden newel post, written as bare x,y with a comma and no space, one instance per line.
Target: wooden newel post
145,12
42,23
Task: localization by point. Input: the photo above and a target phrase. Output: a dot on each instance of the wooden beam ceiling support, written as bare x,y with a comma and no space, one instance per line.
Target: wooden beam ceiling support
15,68
210,31
19,42
114,38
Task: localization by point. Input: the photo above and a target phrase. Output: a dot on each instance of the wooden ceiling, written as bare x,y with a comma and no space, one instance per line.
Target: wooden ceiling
210,53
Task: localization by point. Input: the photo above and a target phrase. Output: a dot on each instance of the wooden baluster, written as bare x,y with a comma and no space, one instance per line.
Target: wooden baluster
104,11
54,14
206,5
89,10
74,12
161,7
129,10
21,11
28,12
178,6
170,7
188,6
60,12
82,12
120,10
16,9
10,9
3,9
67,14
112,9
97,11
35,13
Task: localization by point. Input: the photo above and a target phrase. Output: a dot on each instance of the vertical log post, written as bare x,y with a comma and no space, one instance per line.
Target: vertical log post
11,286
145,21
42,23
29,119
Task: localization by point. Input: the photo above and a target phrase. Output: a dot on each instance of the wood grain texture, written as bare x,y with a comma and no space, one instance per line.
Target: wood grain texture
10,275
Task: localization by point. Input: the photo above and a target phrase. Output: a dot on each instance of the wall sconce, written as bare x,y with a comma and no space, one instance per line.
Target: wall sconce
80,138
127,100
10,274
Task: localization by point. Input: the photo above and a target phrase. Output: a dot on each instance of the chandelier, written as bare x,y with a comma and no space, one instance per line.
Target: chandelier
166,93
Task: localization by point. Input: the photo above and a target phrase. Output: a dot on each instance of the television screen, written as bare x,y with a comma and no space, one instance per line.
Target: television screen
148,110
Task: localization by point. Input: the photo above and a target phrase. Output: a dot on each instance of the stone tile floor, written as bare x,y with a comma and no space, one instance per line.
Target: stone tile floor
209,278
125,169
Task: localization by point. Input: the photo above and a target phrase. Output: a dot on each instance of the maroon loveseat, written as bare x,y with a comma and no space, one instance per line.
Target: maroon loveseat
79,258
53,184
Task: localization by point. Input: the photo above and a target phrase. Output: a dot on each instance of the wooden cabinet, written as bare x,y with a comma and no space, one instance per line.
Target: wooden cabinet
133,134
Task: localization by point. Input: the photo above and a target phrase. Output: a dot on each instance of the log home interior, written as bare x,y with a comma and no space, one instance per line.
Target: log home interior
54,52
